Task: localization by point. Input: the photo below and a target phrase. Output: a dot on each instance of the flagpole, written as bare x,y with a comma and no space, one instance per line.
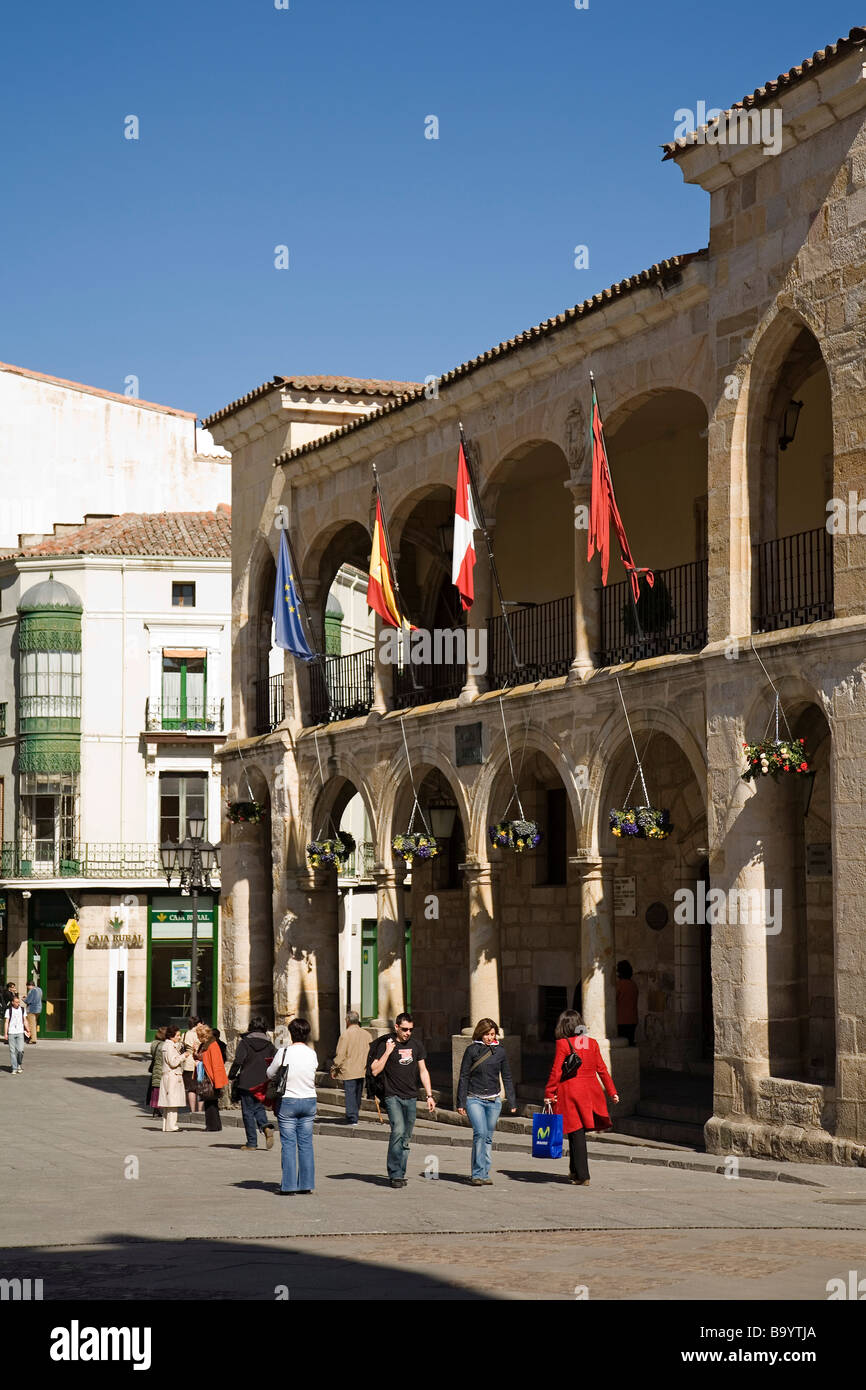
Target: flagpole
518,664
640,632
393,568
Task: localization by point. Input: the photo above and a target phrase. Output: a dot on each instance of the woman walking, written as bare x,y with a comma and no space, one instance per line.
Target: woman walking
484,1072
574,1088
249,1072
172,1091
215,1076
296,1110
155,1069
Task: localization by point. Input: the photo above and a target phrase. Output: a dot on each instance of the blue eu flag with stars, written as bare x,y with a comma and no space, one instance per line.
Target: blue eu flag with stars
288,632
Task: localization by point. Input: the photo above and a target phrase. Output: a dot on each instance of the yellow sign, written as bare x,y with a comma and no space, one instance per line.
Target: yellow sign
72,931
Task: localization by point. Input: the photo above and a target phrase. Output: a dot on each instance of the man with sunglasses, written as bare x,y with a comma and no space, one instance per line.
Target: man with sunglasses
401,1063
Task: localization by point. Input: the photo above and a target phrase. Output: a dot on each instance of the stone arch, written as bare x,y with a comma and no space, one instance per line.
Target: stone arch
396,795
254,616
496,769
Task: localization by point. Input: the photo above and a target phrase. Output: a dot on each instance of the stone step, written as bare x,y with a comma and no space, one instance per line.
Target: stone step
650,1108
678,1133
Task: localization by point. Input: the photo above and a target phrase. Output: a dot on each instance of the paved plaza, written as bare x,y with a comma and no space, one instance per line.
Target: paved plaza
201,1216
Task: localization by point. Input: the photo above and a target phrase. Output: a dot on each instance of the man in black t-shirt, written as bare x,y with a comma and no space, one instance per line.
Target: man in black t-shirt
401,1062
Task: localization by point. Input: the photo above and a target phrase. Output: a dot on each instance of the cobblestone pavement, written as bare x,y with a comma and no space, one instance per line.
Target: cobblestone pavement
99,1203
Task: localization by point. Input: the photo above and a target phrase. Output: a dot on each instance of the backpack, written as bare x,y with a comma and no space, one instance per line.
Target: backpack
375,1085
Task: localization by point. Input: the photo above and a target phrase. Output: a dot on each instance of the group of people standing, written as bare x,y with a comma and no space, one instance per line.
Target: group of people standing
187,1069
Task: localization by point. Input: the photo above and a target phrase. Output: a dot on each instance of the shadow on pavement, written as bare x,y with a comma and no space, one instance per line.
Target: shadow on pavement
120,1268
132,1088
526,1175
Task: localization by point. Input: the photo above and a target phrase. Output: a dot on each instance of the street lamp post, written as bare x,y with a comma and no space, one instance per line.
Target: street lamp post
195,861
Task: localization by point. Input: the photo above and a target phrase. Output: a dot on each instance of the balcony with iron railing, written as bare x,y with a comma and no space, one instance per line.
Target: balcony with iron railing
342,687
543,637
51,858
672,616
359,865
270,703
190,716
794,580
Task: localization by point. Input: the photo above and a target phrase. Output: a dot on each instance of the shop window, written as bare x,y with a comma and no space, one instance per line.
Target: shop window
183,594
181,796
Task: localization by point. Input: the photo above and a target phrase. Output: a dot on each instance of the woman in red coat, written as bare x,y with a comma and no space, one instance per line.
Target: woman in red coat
208,1052
579,1099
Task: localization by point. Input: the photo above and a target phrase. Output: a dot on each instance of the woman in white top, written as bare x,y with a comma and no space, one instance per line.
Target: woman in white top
15,1030
296,1110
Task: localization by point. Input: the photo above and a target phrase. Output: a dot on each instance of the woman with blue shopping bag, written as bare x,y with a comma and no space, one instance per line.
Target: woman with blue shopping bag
575,1092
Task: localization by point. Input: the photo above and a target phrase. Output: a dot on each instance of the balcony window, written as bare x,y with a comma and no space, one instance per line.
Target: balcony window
183,595
181,796
49,814
184,689
50,685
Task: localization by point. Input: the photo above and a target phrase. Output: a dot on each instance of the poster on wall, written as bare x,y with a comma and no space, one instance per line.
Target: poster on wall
624,897
181,974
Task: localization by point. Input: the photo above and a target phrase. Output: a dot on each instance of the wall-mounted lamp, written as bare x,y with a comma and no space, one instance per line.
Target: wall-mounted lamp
789,423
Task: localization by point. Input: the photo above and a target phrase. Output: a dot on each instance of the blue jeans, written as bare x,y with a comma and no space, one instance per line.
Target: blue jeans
354,1096
255,1118
483,1115
295,1118
16,1050
401,1117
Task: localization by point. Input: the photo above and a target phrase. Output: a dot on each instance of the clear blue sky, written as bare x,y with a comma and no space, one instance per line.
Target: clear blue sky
305,127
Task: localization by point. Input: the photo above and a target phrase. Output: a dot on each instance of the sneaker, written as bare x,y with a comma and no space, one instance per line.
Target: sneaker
488,1182
398,1182
249,1146
269,1138
476,1182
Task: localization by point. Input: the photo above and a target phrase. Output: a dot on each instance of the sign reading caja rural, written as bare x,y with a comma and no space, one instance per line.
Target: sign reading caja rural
184,914
95,942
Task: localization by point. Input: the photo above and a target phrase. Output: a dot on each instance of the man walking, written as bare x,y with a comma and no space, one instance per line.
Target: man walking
400,1063
350,1064
15,1032
33,1005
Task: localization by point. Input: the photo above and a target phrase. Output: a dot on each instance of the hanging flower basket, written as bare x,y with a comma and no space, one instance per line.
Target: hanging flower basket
326,854
411,846
515,834
641,822
245,812
770,757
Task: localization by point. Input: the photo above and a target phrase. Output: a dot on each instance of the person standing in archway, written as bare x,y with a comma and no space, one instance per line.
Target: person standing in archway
574,1089
626,1002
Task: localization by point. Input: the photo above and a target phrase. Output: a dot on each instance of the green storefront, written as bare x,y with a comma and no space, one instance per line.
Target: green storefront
169,959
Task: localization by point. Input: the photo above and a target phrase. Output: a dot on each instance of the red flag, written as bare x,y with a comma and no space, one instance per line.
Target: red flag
465,525
603,510
380,590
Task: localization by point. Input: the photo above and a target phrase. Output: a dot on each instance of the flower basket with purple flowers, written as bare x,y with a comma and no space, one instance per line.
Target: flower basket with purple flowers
641,822
415,846
245,812
518,835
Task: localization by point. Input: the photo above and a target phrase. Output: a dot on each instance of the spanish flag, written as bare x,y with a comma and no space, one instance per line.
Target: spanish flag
380,590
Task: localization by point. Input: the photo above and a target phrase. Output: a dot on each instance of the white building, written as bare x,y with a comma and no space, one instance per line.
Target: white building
67,450
114,700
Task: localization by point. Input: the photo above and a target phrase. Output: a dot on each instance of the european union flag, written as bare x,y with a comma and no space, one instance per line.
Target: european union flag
288,632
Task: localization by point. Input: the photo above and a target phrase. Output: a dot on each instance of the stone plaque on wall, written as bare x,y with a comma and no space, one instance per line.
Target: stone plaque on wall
467,744
624,897
819,863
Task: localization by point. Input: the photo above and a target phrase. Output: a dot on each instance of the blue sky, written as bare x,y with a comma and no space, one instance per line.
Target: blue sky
305,127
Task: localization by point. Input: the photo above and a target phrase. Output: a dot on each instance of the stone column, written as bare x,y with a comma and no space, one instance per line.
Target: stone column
383,672
598,972
391,941
587,616
476,622
306,955
484,966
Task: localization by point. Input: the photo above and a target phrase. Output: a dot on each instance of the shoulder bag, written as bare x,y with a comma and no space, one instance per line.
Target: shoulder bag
277,1083
572,1064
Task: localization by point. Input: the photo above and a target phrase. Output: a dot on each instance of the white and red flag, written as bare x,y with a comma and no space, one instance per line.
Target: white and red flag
466,523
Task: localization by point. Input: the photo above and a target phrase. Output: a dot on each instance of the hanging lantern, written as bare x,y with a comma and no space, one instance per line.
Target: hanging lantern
789,423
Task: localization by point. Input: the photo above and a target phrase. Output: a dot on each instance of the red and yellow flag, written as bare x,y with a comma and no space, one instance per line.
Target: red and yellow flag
604,512
380,590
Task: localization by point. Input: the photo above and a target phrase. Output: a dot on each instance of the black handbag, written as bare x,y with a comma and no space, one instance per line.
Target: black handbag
571,1066
277,1085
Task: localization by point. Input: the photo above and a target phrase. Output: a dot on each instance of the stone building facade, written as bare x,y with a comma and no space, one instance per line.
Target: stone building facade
731,382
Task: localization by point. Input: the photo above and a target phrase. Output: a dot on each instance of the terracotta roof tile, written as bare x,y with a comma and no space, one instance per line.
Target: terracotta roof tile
193,535
343,385
664,274
761,95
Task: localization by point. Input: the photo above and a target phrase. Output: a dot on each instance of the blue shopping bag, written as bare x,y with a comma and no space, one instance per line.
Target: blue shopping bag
546,1135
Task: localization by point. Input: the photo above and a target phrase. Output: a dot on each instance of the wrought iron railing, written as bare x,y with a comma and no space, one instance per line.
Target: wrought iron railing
794,580
432,681
543,639
270,703
194,716
50,707
44,858
342,688
360,862
672,616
